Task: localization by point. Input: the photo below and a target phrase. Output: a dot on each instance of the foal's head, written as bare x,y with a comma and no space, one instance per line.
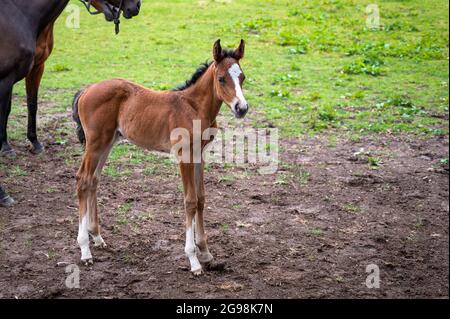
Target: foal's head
229,77
130,8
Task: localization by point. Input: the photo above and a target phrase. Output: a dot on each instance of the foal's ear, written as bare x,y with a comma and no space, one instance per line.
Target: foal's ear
217,52
240,51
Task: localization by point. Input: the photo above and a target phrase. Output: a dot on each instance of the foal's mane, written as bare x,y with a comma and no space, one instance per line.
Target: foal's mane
195,77
202,70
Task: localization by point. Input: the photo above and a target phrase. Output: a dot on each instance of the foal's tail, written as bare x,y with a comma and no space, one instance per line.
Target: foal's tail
76,117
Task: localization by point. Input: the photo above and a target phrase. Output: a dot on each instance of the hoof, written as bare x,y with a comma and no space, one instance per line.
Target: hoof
37,148
215,266
88,262
205,258
197,272
101,245
99,242
7,151
7,202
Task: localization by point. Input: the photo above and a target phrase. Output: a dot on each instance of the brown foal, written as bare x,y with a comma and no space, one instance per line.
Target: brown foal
117,108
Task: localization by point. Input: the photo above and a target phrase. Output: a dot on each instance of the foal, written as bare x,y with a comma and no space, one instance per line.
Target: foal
117,108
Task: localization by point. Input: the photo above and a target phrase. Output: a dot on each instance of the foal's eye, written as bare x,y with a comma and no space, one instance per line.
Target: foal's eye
222,80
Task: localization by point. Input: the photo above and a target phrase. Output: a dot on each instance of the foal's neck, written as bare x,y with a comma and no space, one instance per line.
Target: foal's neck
204,98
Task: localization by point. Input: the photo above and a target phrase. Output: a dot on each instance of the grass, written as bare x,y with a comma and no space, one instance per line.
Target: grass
125,157
311,66
351,208
122,214
282,180
374,162
116,171
316,232
225,228
294,175
17,171
443,162
227,180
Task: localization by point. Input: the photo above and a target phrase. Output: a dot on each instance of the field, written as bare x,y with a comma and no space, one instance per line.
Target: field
362,113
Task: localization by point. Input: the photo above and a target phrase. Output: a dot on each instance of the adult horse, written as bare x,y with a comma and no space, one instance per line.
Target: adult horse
26,41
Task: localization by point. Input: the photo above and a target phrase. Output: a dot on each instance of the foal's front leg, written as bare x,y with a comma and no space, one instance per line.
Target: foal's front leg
190,204
204,255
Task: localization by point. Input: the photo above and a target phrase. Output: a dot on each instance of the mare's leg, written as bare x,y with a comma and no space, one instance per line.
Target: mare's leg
190,204
204,255
33,82
5,199
5,110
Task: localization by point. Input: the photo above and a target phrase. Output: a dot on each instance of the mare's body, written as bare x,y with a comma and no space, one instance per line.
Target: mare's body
26,42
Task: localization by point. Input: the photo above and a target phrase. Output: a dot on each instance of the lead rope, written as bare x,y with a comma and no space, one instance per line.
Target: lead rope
117,18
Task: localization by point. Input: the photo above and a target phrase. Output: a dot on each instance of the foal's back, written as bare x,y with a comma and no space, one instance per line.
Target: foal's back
143,116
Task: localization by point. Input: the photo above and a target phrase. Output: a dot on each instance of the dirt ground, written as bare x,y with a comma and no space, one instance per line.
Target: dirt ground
309,231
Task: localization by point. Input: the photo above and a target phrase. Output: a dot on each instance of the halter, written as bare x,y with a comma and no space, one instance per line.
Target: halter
116,15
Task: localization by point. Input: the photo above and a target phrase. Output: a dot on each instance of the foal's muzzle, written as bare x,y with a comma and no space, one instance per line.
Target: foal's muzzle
240,110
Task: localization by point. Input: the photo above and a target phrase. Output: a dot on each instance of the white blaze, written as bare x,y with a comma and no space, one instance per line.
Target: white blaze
235,72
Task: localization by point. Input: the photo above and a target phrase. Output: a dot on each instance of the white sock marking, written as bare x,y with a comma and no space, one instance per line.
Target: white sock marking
83,238
190,250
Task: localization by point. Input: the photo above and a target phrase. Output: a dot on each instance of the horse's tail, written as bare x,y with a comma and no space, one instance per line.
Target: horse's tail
76,117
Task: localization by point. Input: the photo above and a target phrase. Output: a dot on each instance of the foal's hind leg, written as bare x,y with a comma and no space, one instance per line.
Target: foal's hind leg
94,228
87,181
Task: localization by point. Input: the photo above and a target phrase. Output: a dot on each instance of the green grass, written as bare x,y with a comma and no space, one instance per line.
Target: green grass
18,171
311,65
125,157
293,175
225,228
351,208
316,232
122,214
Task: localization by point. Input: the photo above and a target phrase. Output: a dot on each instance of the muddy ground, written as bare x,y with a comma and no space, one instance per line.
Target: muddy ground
309,231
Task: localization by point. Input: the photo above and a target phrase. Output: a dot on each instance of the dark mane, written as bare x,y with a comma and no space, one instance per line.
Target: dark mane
195,77
202,70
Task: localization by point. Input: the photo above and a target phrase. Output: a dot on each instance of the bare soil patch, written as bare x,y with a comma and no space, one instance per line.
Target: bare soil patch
308,231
